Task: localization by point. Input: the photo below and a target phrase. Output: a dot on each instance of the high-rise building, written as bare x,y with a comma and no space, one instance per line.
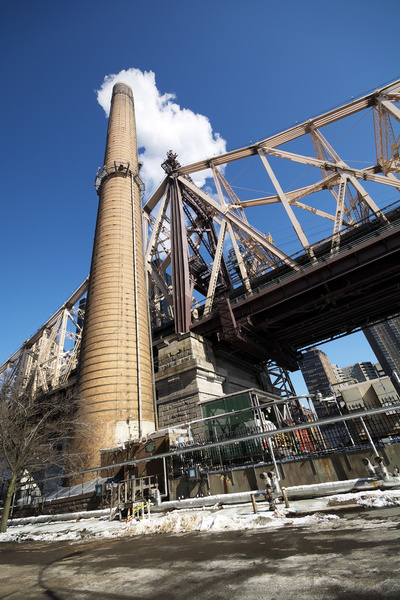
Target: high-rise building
361,371
318,372
337,389
384,340
321,380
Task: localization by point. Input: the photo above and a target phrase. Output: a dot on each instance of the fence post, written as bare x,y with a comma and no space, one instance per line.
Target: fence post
369,436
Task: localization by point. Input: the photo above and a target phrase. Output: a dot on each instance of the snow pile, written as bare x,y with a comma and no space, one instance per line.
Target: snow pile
228,518
380,499
174,522
185,522
372,499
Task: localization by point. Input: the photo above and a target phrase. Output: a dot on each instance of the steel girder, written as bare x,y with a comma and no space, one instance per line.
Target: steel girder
331,297
225,251
46,360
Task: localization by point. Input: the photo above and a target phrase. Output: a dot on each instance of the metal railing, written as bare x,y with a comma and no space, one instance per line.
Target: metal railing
219,450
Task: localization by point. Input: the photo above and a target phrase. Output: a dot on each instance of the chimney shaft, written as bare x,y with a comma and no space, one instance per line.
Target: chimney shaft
115,376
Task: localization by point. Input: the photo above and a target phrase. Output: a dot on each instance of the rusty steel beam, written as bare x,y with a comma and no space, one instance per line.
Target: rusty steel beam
181,284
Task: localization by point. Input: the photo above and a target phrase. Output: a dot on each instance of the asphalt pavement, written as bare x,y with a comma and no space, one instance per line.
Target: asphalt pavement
353,557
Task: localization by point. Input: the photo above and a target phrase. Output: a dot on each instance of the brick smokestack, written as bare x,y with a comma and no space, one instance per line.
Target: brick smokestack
115,374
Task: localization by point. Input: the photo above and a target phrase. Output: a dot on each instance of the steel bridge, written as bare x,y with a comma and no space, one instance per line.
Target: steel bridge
213,272
328,297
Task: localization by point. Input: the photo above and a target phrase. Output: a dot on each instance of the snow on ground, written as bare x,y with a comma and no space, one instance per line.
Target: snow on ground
372,499
187,521
228,518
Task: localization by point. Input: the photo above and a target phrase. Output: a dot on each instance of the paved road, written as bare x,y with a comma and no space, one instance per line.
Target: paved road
355,557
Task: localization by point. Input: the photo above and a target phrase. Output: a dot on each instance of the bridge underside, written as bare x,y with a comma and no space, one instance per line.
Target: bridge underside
357,287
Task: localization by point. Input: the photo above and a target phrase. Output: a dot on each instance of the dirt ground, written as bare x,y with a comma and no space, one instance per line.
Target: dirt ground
354,557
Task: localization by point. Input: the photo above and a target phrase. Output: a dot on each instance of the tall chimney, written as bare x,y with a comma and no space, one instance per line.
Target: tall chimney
115,373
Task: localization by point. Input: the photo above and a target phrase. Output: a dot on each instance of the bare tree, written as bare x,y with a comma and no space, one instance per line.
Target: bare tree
34,434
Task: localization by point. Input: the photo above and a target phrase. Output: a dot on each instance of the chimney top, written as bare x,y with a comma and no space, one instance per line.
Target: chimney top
122,88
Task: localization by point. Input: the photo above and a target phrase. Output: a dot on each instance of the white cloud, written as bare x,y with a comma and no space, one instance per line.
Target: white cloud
163,125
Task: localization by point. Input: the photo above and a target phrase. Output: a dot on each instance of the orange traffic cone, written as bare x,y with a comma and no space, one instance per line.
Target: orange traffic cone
128,517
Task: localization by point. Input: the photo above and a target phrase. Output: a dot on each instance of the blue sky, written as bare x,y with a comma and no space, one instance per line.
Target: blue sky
252,68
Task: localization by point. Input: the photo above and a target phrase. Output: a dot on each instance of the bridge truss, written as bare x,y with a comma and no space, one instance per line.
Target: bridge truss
203,250
202,245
